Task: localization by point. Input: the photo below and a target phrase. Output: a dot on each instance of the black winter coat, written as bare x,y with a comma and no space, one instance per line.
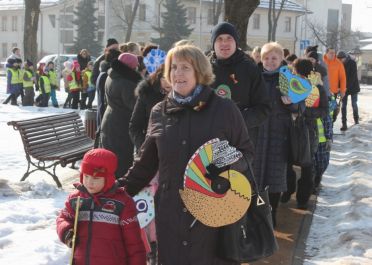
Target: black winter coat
83,62
242,76
271,158
147,96
352,82
174,133
119,89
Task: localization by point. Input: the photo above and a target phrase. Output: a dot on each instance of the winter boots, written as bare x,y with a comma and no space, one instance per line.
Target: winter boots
344,126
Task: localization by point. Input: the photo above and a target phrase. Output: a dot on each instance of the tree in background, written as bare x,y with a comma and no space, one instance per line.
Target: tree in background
125,13
216,10
32,11
238,12
86,22
174,26
273,18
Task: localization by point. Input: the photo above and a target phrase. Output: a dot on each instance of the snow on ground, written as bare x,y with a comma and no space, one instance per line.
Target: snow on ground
341,232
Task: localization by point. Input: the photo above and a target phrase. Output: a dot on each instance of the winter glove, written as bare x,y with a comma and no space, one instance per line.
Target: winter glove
328,145
219,184
67,239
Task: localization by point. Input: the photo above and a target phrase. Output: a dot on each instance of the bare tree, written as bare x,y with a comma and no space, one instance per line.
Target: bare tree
124,11
237,12
216,10
273,17
32,11
332,37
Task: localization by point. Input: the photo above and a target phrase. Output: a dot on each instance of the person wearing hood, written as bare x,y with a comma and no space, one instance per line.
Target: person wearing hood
74,84
67,70
239,78
28,83
119,90
336,73
14,80
352,88
83,59
108,231
44,87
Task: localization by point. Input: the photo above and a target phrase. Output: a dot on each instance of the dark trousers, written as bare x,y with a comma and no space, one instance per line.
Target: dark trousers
28,99
68,100
321,163
304,185
91,96
75,99
83,100
354,100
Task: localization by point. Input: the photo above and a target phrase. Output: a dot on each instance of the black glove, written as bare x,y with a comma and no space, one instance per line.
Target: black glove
67,239
219,184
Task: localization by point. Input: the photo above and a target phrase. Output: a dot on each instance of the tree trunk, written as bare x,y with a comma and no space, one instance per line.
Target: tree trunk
269,18
273,18
217,9
131,21
32,12
237,12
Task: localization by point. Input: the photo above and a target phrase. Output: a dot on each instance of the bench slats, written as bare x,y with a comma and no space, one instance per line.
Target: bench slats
60,138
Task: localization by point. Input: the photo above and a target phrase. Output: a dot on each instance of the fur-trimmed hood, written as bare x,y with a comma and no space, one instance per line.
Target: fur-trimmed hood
120,70
145,88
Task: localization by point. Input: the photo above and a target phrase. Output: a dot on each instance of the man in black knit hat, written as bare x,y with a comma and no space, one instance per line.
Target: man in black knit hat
239,78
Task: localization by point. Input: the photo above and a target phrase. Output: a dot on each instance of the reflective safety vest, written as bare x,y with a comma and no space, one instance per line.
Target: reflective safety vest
322,138
16,76
47,86
29,84
53,78
89,75
73,85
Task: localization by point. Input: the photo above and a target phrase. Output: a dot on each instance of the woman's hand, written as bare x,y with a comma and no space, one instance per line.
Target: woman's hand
286,100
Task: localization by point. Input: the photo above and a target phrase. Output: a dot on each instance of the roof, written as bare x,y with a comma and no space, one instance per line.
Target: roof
19,4
288,6
367,47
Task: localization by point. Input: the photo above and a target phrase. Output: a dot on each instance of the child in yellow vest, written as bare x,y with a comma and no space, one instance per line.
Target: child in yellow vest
44,87
28,83
54,84
89,90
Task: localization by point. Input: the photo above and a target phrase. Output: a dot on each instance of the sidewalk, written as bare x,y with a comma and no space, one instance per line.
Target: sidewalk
293,227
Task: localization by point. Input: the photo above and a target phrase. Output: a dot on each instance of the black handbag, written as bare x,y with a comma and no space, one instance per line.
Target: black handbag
252,237
300,142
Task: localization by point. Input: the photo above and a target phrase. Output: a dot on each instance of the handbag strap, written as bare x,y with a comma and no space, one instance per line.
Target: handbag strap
260,201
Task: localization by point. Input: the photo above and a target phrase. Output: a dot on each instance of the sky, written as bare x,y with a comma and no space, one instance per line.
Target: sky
361,14
340,234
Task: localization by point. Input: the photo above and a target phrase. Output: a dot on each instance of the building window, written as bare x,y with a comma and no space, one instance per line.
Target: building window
14,23
4,46
101,22
52,19
101,7
66,21
256,21
67,36
287,24
4,21
14,44
142,12
191,15
100,36
210,16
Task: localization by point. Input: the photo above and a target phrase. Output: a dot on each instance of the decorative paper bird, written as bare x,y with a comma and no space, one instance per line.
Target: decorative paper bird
294,86
215,200
312,100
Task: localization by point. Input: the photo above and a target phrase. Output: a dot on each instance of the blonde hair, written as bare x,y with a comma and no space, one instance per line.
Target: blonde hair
183,42
193,55
272,47
130,47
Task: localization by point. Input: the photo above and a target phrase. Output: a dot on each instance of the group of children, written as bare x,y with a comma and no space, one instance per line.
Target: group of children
24,81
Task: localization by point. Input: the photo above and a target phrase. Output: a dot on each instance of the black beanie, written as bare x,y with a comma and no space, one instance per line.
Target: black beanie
29,63
224,28
311,49
111,42
313,54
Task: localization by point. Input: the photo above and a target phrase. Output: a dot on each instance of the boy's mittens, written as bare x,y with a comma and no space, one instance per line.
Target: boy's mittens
219,184
67,239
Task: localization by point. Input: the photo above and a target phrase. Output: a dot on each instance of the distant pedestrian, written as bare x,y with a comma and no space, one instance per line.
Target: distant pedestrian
88,89
54,83
352,88
67,70
14,80
83,58
28,83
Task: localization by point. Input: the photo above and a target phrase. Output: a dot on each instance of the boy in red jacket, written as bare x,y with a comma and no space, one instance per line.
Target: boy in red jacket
108,231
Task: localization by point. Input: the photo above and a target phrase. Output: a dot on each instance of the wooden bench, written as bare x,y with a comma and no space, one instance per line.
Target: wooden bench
53,140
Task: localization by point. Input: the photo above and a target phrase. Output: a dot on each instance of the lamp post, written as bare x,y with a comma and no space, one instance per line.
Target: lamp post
200,23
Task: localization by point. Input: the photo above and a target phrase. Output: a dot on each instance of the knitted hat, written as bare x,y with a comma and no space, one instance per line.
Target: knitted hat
111,42
313,54
11,61
311,48
129,60
224,28
341,54
100,163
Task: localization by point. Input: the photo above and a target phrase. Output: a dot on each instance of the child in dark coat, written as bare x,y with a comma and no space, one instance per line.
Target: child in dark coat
108,231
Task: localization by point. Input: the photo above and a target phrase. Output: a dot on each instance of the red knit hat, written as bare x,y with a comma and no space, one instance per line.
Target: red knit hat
100,163
129,60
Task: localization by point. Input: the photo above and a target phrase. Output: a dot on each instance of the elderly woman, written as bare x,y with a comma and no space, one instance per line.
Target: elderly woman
188,117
